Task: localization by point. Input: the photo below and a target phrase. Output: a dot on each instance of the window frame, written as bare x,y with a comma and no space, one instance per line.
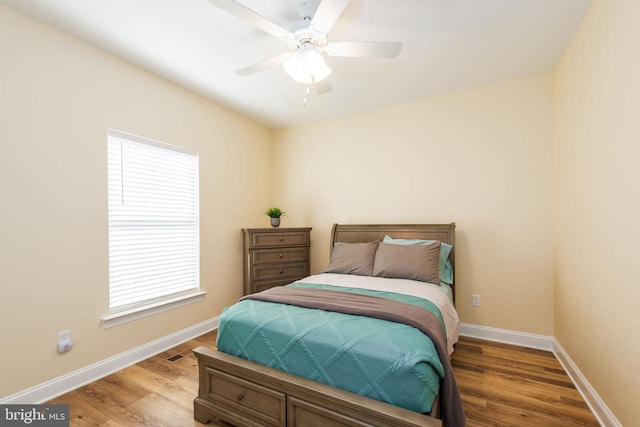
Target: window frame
128,312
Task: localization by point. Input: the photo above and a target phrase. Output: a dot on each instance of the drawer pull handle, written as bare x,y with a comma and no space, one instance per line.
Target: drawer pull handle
281,255
241,396
281,271
281,238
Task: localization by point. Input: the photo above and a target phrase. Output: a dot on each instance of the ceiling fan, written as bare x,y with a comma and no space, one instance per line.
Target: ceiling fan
307,41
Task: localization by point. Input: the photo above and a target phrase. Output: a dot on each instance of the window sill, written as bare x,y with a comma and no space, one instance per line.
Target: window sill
115,319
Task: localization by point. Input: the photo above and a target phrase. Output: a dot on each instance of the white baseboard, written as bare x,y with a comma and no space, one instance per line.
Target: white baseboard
599,409
523,339
65,383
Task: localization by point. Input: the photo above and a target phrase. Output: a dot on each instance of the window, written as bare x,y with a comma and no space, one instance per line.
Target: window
153,224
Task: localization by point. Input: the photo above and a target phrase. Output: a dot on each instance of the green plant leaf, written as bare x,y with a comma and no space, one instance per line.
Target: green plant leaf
274,212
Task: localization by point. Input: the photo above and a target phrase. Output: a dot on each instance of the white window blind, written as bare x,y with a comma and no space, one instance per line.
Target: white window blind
153,222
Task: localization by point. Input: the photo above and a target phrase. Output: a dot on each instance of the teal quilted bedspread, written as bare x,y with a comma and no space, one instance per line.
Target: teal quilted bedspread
383,360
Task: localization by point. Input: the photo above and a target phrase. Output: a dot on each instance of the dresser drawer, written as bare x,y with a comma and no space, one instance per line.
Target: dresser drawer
263,286
301,413
270,256
279,271
289,238
259,402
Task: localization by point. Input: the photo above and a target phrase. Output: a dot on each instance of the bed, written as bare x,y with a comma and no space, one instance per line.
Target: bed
333,349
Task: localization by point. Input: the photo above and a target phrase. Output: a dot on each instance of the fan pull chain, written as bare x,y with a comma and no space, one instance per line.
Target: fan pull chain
307,91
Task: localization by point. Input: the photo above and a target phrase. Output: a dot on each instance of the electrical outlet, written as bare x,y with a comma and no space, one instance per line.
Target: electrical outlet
475,300
64,341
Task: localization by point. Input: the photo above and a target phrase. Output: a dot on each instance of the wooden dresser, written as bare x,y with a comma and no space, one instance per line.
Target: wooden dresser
274,257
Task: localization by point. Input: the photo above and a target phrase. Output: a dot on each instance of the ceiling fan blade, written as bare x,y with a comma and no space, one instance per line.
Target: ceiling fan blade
323,86
327,14
263,65
365,49
253,18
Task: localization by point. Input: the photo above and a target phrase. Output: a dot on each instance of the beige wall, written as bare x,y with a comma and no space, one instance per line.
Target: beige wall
597,203
58,97
481,158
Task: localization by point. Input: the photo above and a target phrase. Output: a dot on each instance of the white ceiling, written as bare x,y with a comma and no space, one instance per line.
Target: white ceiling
448,45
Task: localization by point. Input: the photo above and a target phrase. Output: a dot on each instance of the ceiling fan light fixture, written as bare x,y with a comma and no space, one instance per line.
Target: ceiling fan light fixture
307,66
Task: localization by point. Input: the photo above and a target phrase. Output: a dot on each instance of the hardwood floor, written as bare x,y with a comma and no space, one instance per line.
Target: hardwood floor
500,384
154,392
506,385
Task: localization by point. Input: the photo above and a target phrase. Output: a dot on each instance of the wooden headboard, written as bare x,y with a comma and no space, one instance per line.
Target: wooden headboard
349,233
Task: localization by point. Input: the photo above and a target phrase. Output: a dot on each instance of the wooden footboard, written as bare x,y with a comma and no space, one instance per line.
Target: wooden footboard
249,394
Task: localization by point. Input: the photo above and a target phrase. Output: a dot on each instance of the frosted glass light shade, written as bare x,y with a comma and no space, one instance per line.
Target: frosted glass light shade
307,66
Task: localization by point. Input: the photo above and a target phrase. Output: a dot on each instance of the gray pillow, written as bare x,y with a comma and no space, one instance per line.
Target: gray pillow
352,258
408,262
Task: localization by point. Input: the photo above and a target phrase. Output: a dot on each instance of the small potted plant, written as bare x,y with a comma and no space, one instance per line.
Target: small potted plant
275,213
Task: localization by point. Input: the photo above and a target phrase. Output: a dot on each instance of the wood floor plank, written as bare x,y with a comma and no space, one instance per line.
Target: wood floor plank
83,413
500,385
161,411
506,385
166,386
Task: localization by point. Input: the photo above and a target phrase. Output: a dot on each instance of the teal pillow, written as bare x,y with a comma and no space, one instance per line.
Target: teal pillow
444,264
